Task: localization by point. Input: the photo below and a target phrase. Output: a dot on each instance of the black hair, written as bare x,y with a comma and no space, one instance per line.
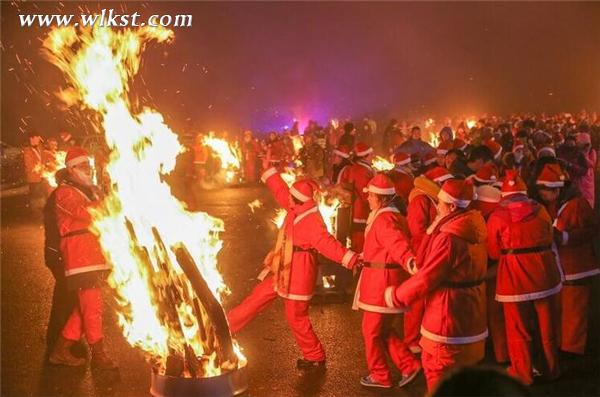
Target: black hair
416,127
481,153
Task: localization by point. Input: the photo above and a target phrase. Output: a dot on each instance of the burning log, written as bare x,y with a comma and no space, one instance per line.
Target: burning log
210,303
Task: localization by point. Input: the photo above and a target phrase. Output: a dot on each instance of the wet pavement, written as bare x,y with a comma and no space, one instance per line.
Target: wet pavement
26,294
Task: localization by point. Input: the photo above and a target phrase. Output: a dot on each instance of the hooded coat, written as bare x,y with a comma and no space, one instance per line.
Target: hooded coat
452,265
520,223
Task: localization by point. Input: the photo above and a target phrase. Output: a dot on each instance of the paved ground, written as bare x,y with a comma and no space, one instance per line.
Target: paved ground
26,293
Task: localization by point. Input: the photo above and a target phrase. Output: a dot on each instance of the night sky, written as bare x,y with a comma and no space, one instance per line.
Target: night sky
260,65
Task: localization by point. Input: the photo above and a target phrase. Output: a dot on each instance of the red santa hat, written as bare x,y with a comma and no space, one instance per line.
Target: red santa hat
494,147
362,149
517,145
429,158
343,151
304,190
401,158
459,144
488,173
438,174
380,184
76,155
513,184
458,192
552,176
546,151
444,147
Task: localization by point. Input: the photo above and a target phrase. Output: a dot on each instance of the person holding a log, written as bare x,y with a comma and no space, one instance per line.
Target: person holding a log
292,266
84,262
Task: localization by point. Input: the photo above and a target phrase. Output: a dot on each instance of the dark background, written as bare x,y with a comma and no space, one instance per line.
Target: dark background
260,65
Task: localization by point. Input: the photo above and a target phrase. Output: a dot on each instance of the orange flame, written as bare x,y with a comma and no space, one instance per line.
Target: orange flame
140,223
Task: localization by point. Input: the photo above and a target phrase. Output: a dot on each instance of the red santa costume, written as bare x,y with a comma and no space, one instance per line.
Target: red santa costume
451,270
355,178
386,252
575,226
402,176
487,199
528,278
293,265
421,211
495,148
459,144
82,256
428,162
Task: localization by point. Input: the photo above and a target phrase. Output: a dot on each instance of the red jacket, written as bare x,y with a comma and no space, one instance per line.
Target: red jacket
79,247
386,243
520,223
308,232
421,211
356,177
450,278
403,183
575,219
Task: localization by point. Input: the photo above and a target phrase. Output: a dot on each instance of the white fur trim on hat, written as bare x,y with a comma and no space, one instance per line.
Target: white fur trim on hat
504,194
77,160
403,162
441,151
364,152
443,178
341,154
550,183
447,198
299,195
379,190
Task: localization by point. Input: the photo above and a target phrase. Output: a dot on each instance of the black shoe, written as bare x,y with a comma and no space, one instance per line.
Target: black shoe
304,365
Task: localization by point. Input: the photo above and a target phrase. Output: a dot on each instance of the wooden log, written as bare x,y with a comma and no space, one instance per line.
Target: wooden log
213,308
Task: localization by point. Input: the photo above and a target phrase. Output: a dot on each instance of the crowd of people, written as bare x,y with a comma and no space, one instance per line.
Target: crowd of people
489,234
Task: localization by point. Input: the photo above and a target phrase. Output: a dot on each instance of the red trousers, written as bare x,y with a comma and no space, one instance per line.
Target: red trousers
496,325
296,313
521,330
575,311
412,324
86,317
439,358
379,338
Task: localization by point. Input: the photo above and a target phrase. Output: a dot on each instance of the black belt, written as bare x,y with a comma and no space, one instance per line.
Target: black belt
462,284
307,250
529,250
76,233
381,265
358,226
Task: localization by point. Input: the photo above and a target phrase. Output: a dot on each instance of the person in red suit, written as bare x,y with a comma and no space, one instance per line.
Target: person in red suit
487,199
421,212
528,279
292,266
575,227
250,152
402,176
386,253
84,262
450,279
355,178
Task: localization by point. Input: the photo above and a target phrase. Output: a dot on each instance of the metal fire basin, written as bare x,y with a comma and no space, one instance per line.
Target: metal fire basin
229,384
